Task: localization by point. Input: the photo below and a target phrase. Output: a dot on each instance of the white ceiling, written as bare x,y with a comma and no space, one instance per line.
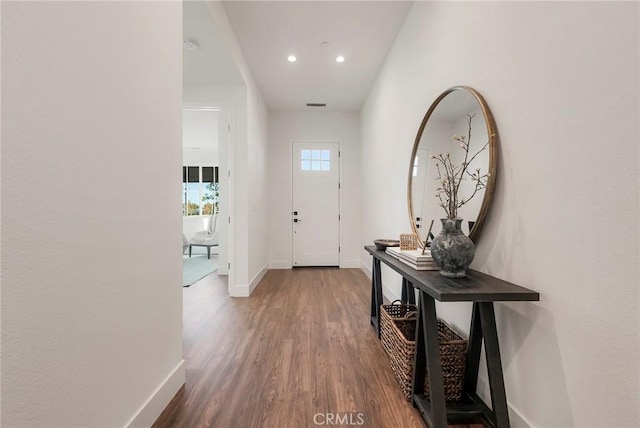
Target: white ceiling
269,31
211,63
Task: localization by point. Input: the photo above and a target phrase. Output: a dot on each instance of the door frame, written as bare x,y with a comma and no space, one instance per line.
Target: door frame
226,161
290,214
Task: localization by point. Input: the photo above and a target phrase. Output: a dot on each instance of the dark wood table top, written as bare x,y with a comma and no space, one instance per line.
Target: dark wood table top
476,287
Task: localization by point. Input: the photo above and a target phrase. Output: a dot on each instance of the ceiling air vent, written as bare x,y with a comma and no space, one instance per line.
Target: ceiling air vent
316,104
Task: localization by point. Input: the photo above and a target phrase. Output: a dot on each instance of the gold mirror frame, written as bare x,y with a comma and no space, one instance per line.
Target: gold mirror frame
493,160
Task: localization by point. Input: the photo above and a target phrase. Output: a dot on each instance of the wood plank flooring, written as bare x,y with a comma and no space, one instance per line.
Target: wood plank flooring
300,347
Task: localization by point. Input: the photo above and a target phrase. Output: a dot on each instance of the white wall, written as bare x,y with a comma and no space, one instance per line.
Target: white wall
248,173
91,293
200,129
562,81
256,188
285,127
199,158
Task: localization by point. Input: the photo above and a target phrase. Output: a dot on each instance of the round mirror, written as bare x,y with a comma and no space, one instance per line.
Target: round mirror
458,129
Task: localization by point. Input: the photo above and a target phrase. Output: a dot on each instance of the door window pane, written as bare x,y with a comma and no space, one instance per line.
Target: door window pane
315,160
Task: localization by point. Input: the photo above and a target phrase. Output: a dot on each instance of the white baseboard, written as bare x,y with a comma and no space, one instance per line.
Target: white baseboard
256,279
516,418
222,270
149,412
388,295
349,264
280,264
240,290
366,269
245,290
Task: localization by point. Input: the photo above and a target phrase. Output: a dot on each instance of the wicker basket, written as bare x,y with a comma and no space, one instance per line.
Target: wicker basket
397,334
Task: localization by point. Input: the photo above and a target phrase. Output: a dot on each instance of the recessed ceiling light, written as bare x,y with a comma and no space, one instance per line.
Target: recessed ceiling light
340,58
292,58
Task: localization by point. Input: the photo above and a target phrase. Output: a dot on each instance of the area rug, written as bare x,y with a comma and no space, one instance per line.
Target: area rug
195,268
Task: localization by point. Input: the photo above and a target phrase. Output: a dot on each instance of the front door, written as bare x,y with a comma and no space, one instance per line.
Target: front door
316,207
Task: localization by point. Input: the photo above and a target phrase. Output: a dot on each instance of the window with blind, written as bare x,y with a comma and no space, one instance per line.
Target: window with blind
200,190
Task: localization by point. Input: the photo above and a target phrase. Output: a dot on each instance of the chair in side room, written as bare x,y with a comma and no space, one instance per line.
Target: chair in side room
206,238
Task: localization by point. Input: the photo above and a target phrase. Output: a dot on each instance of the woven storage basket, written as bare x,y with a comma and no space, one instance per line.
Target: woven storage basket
397,334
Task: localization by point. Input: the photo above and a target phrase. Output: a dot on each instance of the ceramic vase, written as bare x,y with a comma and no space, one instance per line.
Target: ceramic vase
452,250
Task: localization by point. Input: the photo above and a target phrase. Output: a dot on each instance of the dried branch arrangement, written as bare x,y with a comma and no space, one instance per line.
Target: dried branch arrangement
451,176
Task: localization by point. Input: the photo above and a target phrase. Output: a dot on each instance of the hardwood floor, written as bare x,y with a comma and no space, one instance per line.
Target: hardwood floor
300,347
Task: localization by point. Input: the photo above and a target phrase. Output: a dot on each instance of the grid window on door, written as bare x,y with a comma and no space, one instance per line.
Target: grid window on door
315,160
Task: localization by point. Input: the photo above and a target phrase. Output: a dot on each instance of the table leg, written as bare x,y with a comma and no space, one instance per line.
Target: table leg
434,367
494,364
376,294
408,295
433,410
373,291
473,352
419,359
411,293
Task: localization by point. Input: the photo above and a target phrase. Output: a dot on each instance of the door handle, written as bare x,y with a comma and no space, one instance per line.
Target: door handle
295,220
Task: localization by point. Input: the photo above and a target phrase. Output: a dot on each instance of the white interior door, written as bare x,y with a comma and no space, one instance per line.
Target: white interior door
316,207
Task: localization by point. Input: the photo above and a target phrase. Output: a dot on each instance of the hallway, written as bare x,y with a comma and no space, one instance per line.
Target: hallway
301,345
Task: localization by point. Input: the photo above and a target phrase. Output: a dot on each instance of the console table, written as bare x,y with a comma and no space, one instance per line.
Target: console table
482,290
